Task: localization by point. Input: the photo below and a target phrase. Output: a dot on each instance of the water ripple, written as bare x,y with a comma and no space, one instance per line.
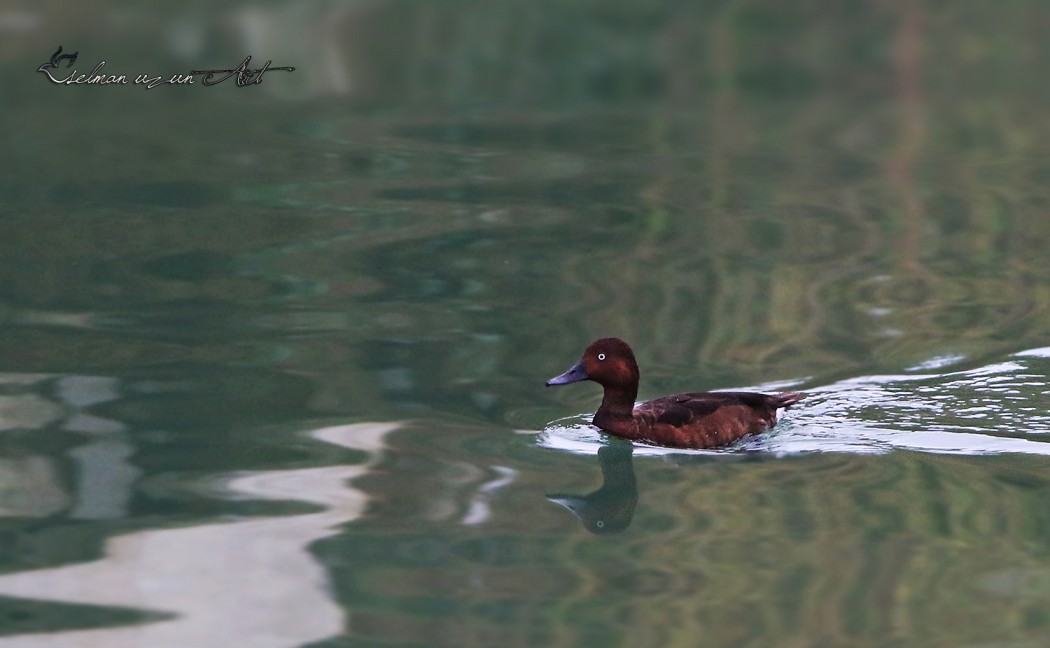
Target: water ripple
250,582
995,408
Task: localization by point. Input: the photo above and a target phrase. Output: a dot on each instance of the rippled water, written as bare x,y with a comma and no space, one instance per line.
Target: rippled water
272,357
992,409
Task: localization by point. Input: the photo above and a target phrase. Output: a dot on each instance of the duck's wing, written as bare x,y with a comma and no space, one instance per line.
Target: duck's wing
707,419
680,410
683,409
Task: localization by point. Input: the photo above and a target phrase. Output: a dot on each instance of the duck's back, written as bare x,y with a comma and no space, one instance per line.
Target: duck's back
709,419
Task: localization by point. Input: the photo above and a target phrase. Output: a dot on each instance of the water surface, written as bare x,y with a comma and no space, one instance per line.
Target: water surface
272,358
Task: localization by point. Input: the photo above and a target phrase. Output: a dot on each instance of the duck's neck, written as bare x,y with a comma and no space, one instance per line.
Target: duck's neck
617,404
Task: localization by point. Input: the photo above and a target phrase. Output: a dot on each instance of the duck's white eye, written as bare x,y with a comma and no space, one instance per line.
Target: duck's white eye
601,356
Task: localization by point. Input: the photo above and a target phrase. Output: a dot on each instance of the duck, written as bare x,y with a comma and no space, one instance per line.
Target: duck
695,420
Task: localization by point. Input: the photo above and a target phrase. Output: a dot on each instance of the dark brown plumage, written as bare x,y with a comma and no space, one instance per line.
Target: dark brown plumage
694,420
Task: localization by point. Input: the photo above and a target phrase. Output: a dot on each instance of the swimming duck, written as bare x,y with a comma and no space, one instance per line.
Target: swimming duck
695,420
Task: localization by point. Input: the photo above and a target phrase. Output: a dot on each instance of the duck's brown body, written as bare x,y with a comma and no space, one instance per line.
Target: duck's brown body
694,420
699,420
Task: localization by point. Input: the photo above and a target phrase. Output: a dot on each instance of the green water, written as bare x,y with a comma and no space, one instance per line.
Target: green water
272,357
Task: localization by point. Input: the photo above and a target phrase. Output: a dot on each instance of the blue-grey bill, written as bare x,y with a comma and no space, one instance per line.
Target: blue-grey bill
575,374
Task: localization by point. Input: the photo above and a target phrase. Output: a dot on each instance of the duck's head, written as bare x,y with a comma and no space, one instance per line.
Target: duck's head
608,362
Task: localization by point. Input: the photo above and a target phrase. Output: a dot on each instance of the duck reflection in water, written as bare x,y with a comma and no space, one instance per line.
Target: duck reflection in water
609,509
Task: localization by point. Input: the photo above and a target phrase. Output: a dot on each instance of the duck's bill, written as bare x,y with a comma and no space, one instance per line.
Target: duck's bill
575,374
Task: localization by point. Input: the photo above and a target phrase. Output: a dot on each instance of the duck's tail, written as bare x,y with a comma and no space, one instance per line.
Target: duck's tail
786,399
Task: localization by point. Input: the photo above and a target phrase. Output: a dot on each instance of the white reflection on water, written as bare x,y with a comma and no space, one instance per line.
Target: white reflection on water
30,486
251,583
1001,407
480,509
